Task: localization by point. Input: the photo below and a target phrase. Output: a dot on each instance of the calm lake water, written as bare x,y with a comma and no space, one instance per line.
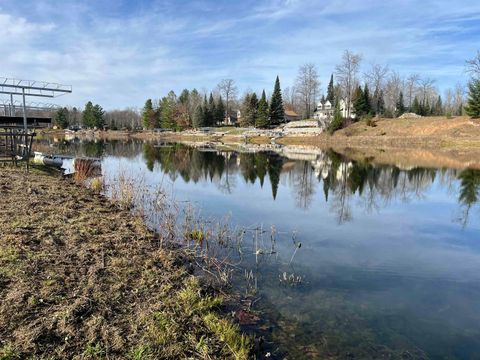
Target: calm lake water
369,262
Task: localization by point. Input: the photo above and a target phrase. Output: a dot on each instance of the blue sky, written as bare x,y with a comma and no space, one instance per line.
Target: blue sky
118,53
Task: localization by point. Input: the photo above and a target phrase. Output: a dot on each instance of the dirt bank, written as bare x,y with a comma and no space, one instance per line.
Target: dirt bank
82,278
425,133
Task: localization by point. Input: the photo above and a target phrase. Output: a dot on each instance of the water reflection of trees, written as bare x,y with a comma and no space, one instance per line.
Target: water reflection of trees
94,148
469,192
374,186
221,168
303,184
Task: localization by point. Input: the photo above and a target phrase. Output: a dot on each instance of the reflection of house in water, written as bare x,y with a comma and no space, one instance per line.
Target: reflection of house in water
226,154
321,166
343,171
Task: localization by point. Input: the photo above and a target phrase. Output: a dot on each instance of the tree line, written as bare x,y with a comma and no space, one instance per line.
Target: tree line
94,116
378,91
194,110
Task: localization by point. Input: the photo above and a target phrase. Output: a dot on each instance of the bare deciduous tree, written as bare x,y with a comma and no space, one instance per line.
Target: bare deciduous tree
426,88
289,95
307,87
459,98
473,66
376,76
393,87
228,90
346,73
411,87
127,118
448,103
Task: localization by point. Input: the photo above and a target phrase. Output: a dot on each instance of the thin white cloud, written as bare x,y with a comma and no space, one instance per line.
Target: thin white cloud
19,28
119,59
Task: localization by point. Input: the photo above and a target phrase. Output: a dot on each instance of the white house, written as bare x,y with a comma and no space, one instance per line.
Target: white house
231,118
326,110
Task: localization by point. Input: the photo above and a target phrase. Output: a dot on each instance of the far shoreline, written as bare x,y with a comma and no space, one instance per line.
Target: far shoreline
436,141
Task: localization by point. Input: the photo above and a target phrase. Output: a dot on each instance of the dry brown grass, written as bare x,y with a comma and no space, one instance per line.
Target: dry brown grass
80,277
85,169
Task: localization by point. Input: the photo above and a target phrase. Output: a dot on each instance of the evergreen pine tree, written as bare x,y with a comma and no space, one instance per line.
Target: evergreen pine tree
206,112
416,108
219,111
359,105
400,105
277,113
262,115
148,115
167,111
473,104
331,91
211,111
98,116
61,118
198,117
88,117
253,110
425,108
184,97
368,103
337,121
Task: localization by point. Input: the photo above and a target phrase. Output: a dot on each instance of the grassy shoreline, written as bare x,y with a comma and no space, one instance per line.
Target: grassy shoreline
83,278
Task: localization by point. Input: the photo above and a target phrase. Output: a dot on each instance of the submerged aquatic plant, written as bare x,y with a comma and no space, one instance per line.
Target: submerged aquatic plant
290,279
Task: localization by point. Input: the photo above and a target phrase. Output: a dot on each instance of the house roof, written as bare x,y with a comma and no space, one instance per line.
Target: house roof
290,113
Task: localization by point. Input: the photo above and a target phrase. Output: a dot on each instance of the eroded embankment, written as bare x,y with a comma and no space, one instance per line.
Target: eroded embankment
82,278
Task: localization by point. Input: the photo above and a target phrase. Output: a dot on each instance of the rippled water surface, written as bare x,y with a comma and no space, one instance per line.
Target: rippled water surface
370,261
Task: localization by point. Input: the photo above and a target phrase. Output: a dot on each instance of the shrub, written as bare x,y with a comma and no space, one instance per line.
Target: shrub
369,120
97,185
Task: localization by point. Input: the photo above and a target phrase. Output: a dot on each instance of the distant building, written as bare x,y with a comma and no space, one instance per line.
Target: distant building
326,110
232,117
291,115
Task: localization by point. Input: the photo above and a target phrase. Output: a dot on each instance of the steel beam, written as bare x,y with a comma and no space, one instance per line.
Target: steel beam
26,94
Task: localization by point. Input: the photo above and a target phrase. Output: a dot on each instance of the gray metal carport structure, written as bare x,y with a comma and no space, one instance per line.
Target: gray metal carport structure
17,139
